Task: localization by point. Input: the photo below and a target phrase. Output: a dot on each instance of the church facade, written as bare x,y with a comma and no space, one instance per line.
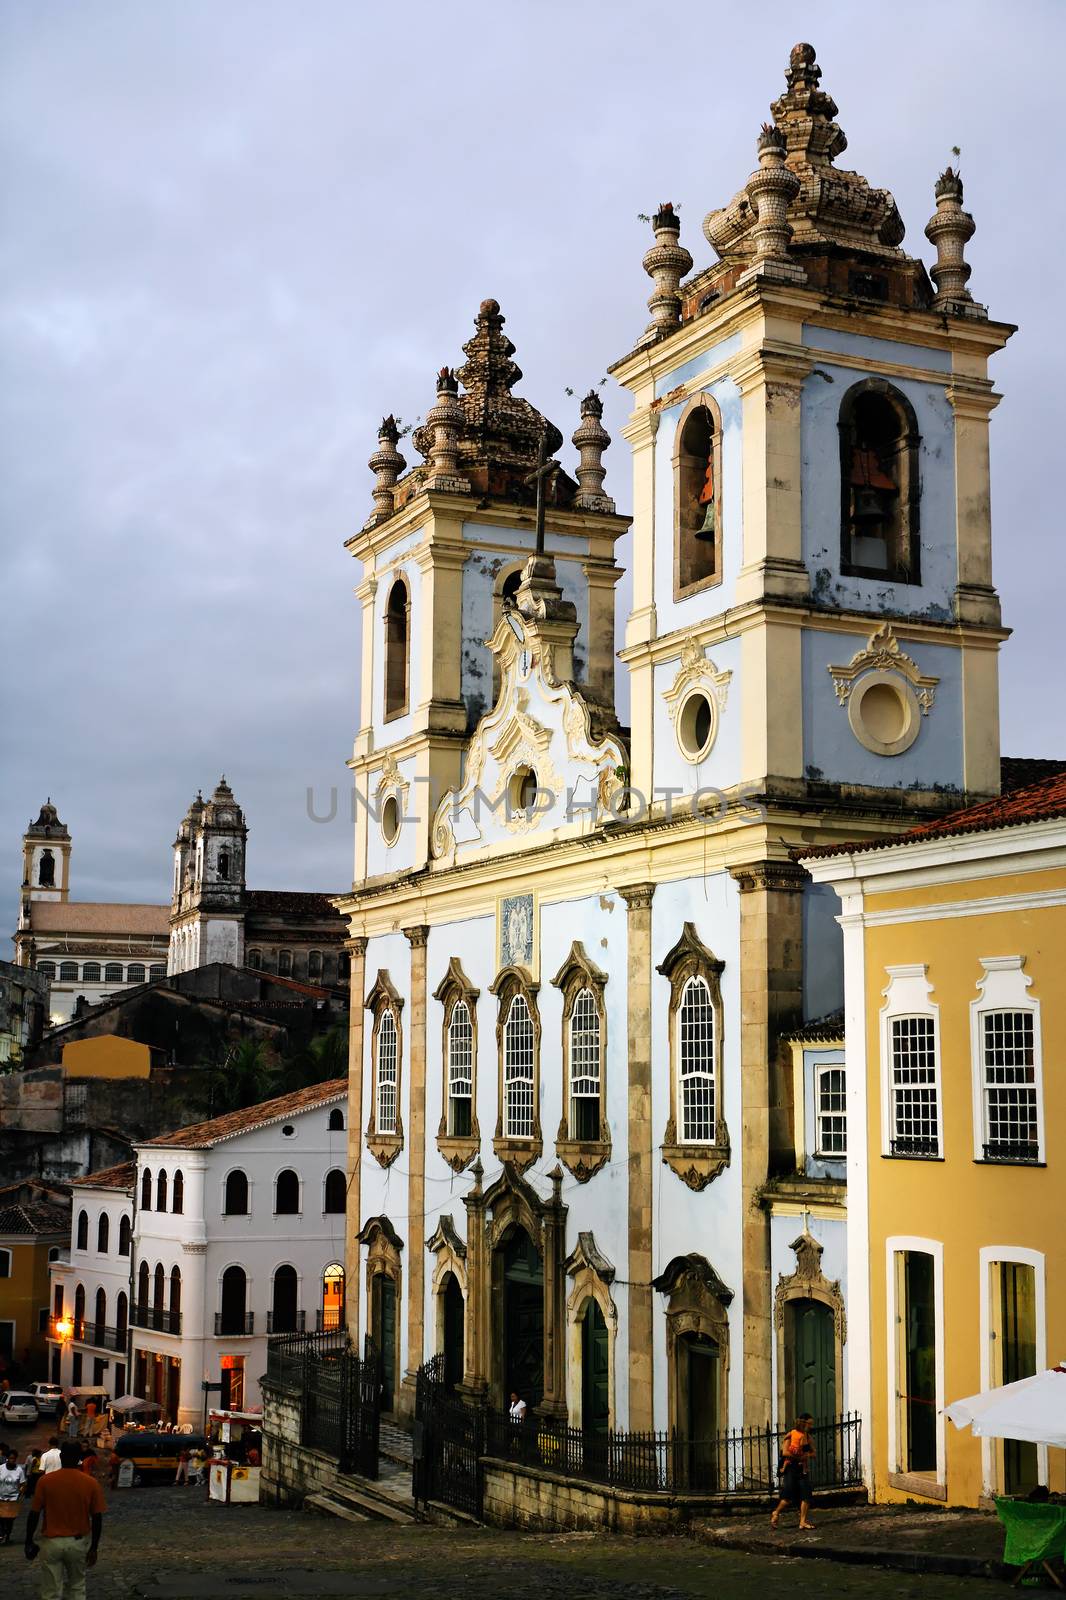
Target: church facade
596,1153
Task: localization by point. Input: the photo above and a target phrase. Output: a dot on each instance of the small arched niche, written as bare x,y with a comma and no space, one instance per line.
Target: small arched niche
698,497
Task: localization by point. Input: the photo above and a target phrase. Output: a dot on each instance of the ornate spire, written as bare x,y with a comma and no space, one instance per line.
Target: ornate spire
442,425
950,228
805,113
666,263
387,463
770,189
591,439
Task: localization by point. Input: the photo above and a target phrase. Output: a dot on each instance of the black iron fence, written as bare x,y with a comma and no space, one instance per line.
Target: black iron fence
453,1440
340,1394
157,1318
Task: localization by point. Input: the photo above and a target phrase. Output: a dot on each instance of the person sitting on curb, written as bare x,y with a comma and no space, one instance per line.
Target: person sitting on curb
72,1505
797,1451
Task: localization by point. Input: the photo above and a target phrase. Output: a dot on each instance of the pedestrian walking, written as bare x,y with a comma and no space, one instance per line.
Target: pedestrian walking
72,1419
50,1461
32,1468
182,1473
72,1507
797,1452
12,1486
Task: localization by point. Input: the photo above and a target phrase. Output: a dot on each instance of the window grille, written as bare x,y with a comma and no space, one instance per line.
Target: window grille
696,1063
832,1112
460,1069
386,1118
914,1087
90,973
585,1067
135,972
113,972
68,972
47,969
518,1071
1008,1044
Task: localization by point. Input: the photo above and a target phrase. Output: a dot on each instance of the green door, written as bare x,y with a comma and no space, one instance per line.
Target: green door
1018,1360
454,1321
699,1357
595,1394
385,1335
811,1356
523,1319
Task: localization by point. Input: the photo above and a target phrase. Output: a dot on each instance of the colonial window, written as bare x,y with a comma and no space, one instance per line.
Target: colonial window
336,1120
146,1190
916,1371
334,1193
696,1141
583,1141
879,487
135,972
161,1192
47,969
175,1296
235,1194
458,1135
384,1133
397,650
90,972
287,1194
177,1204
518,1134
156,972
830,1086
223,866
83,1230
1005,1042
255,960
5,1270
314,963
344,965
284,963
910,1066
124,1231
68,972
103,1233
113,972
698,497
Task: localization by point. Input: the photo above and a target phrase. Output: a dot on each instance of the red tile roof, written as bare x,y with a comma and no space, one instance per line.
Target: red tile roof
118,1177
202,1135
1035,802
293,902
35,1217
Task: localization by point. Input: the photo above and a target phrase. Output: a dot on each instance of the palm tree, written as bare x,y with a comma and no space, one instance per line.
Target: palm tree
245,1077
314,1060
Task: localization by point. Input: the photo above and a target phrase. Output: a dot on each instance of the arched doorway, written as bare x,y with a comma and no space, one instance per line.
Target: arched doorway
595,1370
697,1357
383,1332
283,1300
810,1359
234,1295
333,1296
454,1330
523,1317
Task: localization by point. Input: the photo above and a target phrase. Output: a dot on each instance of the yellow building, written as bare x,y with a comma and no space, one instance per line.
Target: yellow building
954,943
34,1230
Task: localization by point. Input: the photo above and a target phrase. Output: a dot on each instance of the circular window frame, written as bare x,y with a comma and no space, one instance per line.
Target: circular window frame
912,716
697,692
515,784
391,799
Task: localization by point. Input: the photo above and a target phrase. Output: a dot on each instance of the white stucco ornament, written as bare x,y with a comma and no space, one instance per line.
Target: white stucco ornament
695,701
885,693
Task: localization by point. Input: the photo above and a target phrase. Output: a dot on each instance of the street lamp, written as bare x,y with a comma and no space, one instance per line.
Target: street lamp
64,1328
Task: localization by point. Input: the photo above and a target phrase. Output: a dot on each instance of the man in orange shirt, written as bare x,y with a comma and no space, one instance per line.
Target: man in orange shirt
72,1504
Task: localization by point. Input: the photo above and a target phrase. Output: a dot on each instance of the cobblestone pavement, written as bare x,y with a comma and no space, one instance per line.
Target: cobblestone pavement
169,1544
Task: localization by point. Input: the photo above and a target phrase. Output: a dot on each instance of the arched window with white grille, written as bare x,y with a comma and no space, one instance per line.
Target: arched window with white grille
585,1067
387,1074
460,1070
696,1064
518,1074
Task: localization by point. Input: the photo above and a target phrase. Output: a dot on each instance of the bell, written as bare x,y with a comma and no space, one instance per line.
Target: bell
706,528
869,507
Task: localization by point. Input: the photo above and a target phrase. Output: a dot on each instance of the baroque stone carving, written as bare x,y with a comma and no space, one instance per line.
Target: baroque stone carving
445,1237
883,653
697,671
696,1165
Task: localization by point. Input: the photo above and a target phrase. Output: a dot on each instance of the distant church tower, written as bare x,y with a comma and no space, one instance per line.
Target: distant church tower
46,858
207,896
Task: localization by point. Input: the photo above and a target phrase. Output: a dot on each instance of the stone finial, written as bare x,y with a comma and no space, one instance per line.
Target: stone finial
949,229
666,263
591,439
387,463
770,189
442,425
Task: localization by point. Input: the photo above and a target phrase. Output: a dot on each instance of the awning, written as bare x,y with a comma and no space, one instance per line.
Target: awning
1033,1409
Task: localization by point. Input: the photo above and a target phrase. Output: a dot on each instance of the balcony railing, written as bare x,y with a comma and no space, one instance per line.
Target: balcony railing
1012,1150
99,1336
237,1326
295,1322
915,1147
157,1318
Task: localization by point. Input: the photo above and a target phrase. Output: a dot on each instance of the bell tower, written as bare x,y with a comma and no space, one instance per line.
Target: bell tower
46,857
443,555
813,609
207,899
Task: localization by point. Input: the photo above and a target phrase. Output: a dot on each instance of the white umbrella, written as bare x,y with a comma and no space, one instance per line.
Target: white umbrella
132,1402
1033,1409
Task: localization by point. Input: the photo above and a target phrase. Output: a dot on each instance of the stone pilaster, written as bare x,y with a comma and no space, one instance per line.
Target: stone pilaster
416,1163
641,1172
771,1000
554,1402
356,949
475,1380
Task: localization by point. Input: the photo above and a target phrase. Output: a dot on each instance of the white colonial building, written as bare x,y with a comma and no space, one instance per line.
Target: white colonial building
588,1159
182,1265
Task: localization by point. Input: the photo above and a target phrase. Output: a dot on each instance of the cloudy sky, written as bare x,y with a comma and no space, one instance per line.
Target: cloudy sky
234,232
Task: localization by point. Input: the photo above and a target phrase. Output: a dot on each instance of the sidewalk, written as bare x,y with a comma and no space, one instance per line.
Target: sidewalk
907,1537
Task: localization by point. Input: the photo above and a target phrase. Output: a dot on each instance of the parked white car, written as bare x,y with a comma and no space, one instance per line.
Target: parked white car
48,1398
18,1406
